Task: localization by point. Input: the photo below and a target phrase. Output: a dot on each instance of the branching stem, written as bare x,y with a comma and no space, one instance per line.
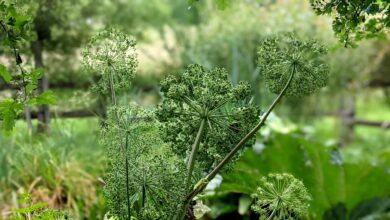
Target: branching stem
191,163
203,183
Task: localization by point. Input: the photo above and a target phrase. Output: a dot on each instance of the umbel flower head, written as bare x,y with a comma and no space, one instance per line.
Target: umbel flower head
280,56
281,196
143,176
111,53
205,95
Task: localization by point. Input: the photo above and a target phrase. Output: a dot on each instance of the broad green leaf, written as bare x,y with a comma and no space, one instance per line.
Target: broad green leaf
5,74
329,179
46,98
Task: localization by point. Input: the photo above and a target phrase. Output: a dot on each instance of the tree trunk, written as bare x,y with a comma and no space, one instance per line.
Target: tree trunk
43,85
347,113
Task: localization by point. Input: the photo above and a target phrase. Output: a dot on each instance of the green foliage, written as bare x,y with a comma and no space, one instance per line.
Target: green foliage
355,19
62,170
46,97
329,179
15,24
111,54
377,208
16,29
281,56
5,74
281,196
200,94
9,110
144,177
35,210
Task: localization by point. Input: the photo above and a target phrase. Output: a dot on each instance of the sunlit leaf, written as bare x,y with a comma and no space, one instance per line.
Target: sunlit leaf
5,74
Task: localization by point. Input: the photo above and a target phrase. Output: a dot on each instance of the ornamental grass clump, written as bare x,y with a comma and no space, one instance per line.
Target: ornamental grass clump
281,196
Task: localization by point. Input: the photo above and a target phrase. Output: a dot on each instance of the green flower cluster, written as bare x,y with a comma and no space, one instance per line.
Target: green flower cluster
281,196
281,56
205,95
112,54
144,178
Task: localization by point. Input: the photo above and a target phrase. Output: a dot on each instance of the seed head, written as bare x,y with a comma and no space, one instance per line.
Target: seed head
281,195
200,94
111,52
279,56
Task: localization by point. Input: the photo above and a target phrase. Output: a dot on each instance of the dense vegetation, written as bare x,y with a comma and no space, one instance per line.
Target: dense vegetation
158,110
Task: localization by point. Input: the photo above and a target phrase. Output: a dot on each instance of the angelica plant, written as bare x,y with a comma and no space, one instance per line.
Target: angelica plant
143,179
281,196
202,117
204,123
291,67
112,55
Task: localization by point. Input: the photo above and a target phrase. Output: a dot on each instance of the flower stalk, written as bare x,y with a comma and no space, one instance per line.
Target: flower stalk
191,163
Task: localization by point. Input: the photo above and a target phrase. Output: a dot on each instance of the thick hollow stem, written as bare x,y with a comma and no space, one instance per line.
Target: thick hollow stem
191,163
200,187
194,151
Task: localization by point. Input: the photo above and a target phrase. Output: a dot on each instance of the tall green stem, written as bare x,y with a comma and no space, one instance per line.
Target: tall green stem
127,177
191,163
112,87
203,183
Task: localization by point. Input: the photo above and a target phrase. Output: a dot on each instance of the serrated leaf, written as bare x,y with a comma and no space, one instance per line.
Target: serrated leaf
36,74
5,74
30,87
46,98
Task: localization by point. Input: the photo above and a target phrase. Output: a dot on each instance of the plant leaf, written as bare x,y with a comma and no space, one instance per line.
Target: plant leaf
9,110
46,98
5,74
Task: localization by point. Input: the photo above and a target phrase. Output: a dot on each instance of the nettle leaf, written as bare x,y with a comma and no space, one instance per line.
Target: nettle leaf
9,110
5,74
46,98
33,78
36,74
